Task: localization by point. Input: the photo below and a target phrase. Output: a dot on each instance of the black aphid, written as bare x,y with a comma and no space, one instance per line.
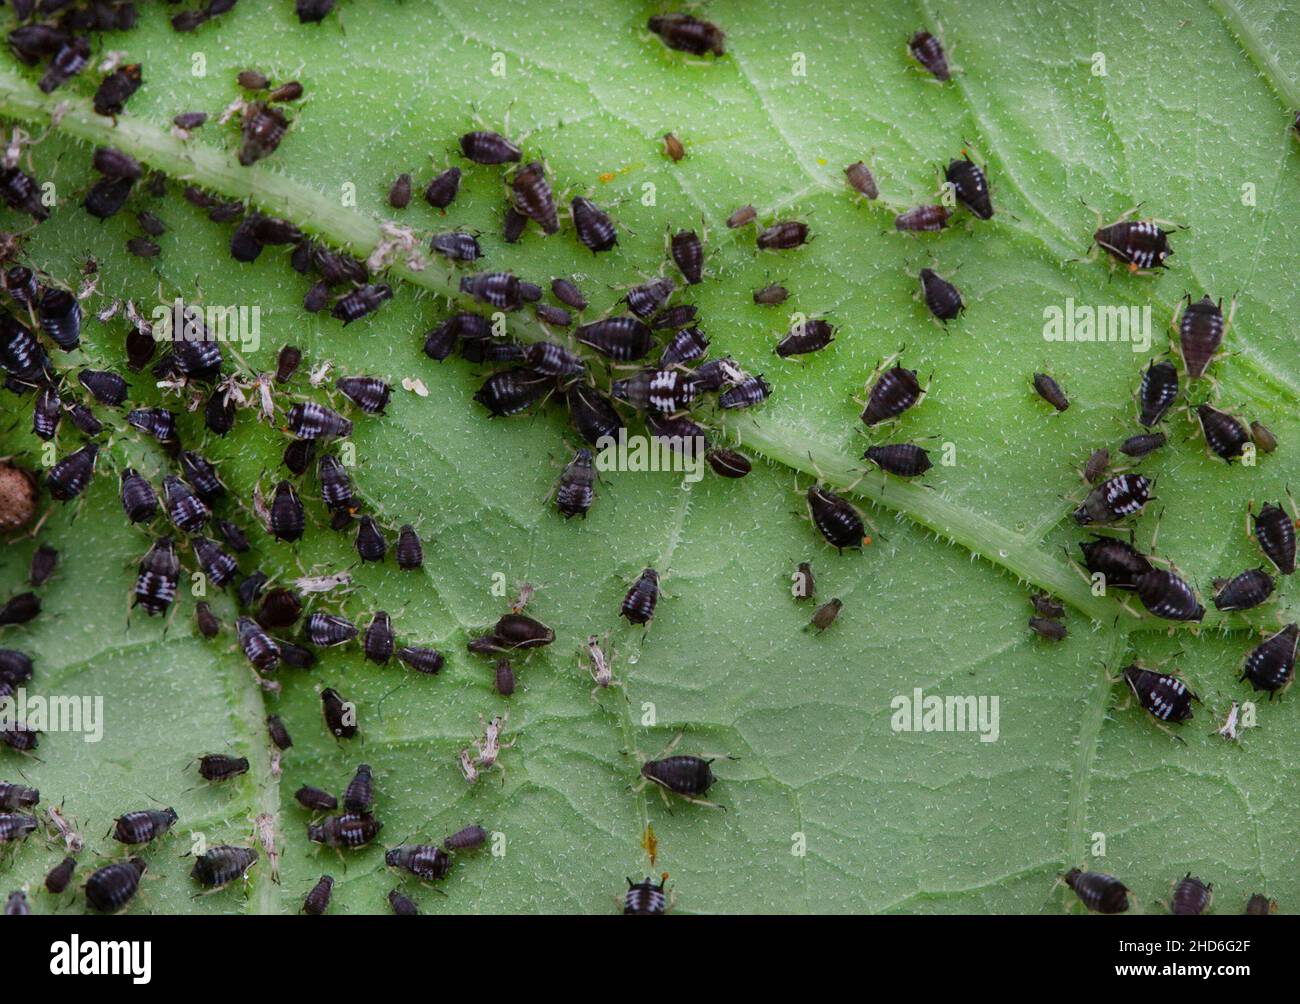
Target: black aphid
297,656
189,120
280,608
557,316
1098,891
317,901
1260,905
467,839
1270,665
1142,444
84,419
244,245
309,420
1200,333
677,316
689,34
1118,562
223,864
206,621
1049,628
370,394
409,551
553,360
811,335
508,392
665,391
1167,595
402,905
456,245
298,456
680,433
351,829
1164,697
15,666
47,412
906,460
234,537
497,289
112,887
114,90
826,614
484,147
259,648
503,677
335,483
1225,434
894,391
399,194
185,509
1114,499
519,631
927,51
287,362
60,316
143,825
1249,589
592,414
360,792
250,588
685,346
577,488
157,422
749,392
17,796
647,298
370,541
202,476
288,517
214,562
1157,392
315,799
728,463
924,219
21,354
783,236
60,876
327,630
361,301
639,603
688,255
623,339
422,660
424,861
22,193
1139,244
441,191
151,225
159,574
263,129
20,283
839,522
1191,897
683,774
45,560
941,296
69,477
1050,391
142,247
20,609
971,186
69,59
379,640
532,196
568,293
221,767
340,715
492,350
1275,532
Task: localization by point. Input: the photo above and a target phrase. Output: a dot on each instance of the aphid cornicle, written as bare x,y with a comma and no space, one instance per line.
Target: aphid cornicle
1270,665
1050,391
1142,444
894,391
220,767
1164,697
327,630
839,522
971,186
1114,499
1139,244
340,715
456,245
688,255
260,649
905,460
315,799
592,413
59,314
1098,891
941,297
811,335
379,640
213,561
1275,533
317,901
927,219
645,899
751,391
784,235
143,825
288,517
360,302
424,861
158,577
639,603
1200,333
423,660
508,392
112,887
689,34
1121,564
1249,589
532,196
185,509
278,733
370,540
483,147
1191,897
223,864
442,190
60,876
349,829
1167,595
1225,434
1157,392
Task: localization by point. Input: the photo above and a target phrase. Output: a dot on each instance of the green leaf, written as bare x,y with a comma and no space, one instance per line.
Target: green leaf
902,822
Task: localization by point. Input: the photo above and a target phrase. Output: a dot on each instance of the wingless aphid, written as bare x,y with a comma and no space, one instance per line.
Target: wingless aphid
688,255
1270,665
1200,333
340,716
508,392
1166,595
811,335
156,422
370,541
687,776
1275,532
409,551
47,413
1049,628
214,562
623,339
665,391
456,245
1114,499
259,648
639,603
941,297
220,767
839,522
751,391
904,460
143,825
1225,434
1166,698
532,196
317,901
423,660
971,186
110,888
894,391
60,876
490,148
350,830
592,413
728,463
923,219
280,608
442,190
1142,444
645,899
278,733
69,477
223,864
159,575
497,289
1157,392
1191,897
1249,589
59,314
685,346
315,799
577,487
379,640
1121,565
1139,244
288,517
45,559
1098,891
1050,391
327,630
424,861
785,235
361,301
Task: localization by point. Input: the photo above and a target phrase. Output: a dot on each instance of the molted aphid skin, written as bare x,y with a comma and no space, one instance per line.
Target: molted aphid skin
69,477
1120,563
1200,333
214,562
222,865
1275,532
1191,897
456,245
1114,499
423,660
424,861
278,733
927,219
219,767
533,197
379,639
441,191
143,825
508,392
689,34
749,392
318,900
159,575
112,887
1226,435
645,899
60,876
1263,437
577,488
839,522
59,315
315,799
1249,589
783,236
1157,392
728,463
327,630
664,391
409,551
971,186
483,147
1139,244
288,517
906,460
623,339
812,335
861,180
894,391
941,296
260,649
1142,444
1166,595
1164,697
1271,664
688,255
639,603
686,346
1050,391
341,724
1098,891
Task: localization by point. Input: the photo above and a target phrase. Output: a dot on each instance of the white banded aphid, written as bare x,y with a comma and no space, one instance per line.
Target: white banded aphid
1114,499
1164,697
1270,665
159,575
662,390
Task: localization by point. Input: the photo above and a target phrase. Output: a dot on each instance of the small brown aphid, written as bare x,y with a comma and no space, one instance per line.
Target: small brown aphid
1142,444
44,560
783,236
689,34
803,585
1095,468
442,190
861,180
289,91
1260,905
189,120
424,861
504,677
264,127
1050,391
568,293
673,148
1046,627
1048,606
468,839
742,217
220,767
399,195
253,80
315,799
60,876
278,733
728,463
826,615
927,50
928,219
287,362
772,295
1263,437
